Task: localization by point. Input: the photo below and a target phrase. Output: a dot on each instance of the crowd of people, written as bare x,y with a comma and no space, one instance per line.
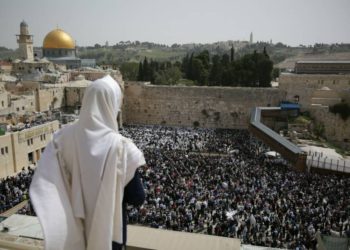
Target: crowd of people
14,189
219,182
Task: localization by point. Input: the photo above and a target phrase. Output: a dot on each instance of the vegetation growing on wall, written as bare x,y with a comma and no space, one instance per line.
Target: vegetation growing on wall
343,109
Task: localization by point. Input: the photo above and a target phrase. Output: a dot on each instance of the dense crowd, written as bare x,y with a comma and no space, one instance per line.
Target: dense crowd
219,182
14,189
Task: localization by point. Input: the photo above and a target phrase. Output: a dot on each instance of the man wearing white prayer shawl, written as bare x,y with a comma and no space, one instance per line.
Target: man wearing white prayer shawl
78,187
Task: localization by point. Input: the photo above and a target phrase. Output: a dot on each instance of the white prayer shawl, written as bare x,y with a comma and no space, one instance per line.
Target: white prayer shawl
77,190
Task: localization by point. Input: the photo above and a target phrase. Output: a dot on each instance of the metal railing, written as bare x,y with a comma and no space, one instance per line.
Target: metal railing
328,164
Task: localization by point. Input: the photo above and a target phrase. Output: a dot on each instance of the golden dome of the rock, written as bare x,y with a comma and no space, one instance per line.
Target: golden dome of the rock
58,39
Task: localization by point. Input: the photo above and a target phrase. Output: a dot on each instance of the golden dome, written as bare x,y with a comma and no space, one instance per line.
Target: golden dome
58,39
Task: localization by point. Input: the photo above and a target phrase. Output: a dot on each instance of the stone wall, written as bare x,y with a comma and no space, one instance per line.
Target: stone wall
215,107
305,85
22,104
49,98
74,96
336,130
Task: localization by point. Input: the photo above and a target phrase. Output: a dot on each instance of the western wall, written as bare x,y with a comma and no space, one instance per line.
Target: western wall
336,130
210,107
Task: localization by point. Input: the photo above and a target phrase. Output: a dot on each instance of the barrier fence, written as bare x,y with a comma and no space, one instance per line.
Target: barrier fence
328,164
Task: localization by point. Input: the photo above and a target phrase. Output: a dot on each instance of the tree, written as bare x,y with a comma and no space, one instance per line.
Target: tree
168,76
264,69
275,73
225,60
140,76
232,54
130,70
189,73
184,66
215,71
146,70
200,73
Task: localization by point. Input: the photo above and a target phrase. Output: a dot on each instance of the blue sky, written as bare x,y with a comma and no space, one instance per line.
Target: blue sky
179,21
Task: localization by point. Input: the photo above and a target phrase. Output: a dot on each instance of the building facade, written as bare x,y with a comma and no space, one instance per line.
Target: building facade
302,88
22,148
322,67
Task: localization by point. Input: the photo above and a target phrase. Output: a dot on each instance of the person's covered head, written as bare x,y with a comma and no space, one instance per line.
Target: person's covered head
101,104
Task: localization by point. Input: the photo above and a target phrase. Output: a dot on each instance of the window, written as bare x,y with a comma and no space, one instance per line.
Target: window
30,142
2,151
22,107
17,109
2,103
6,150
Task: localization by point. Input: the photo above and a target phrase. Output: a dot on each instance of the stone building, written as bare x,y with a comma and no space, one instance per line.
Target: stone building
59,48
303,87
4,98
28,63
322,67
21,68
22,148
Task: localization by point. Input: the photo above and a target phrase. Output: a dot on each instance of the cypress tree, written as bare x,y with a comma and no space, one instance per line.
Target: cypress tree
265,53
189,72
232,54
146,70
140,74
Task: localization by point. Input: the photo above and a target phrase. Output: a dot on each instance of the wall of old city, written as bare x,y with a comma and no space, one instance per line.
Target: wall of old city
74,96
49,98
305,85
21,87
336,130
215,107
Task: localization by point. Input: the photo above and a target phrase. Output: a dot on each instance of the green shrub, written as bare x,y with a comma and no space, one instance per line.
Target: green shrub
343,109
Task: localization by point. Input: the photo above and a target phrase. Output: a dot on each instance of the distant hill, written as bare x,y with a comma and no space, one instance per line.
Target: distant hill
137,51
282,55
6,54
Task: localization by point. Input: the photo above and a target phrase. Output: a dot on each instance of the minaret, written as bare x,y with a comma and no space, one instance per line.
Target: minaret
251,38
25,42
